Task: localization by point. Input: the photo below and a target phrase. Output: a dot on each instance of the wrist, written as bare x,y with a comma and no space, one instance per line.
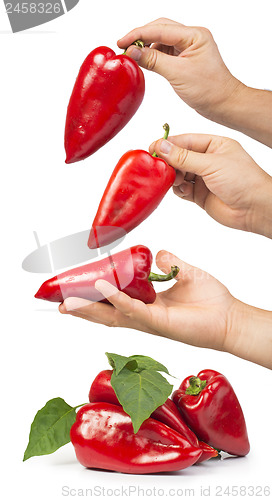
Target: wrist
247,110
226,106
249,334
260,215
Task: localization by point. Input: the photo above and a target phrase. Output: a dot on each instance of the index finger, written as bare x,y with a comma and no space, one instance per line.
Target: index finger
123,302
179,36
199,143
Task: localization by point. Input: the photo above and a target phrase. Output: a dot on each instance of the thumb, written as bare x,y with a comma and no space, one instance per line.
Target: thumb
165,260
183,159
151,59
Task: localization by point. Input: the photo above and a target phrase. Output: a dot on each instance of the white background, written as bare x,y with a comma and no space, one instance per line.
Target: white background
45,354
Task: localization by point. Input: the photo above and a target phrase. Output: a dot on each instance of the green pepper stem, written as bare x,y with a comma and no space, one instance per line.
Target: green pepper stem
196,386
138,43
166,134
164,277
78,406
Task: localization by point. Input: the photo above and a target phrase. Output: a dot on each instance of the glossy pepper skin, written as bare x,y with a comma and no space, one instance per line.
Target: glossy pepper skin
107,92
103,438
102,391
129,270
214,414
136,187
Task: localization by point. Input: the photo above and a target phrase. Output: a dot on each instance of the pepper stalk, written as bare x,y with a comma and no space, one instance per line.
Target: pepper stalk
196,386
138,43
164,277
166,134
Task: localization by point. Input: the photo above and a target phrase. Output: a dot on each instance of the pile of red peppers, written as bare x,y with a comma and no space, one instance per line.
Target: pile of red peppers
202,419
167,413
188,430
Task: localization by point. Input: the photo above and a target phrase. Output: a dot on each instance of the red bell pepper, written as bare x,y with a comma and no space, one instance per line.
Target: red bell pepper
211,409
108,91
128,270
103,438
102,391
136,187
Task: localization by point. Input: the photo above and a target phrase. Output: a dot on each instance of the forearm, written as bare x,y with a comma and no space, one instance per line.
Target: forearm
249,111
250,334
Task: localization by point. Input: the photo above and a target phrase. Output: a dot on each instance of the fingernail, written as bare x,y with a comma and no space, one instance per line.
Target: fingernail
179,179
165,147
135,54
62,308
181,189
74,303
106,288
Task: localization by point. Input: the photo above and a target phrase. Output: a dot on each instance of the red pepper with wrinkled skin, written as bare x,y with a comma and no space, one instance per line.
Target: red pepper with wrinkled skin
102,391
128,270
211,409
136,187
103,438
108,91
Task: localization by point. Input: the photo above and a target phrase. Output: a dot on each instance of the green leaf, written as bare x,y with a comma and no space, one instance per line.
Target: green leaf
50,428
116,361
147,363
135,362
139,387
140,393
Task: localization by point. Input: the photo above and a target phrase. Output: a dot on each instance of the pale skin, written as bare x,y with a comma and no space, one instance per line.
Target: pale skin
189,59
196,310
219,176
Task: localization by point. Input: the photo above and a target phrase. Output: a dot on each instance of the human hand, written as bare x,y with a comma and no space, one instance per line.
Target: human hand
219,176
197,310
189,59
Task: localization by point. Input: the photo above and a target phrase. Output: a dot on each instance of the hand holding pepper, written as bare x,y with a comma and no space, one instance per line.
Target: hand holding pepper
227,182
210,316
188,57
129,270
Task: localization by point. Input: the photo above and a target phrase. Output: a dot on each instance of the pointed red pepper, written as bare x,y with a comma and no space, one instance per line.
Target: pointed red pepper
103,438
107,92
102,391
211,409
128,270
135,189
